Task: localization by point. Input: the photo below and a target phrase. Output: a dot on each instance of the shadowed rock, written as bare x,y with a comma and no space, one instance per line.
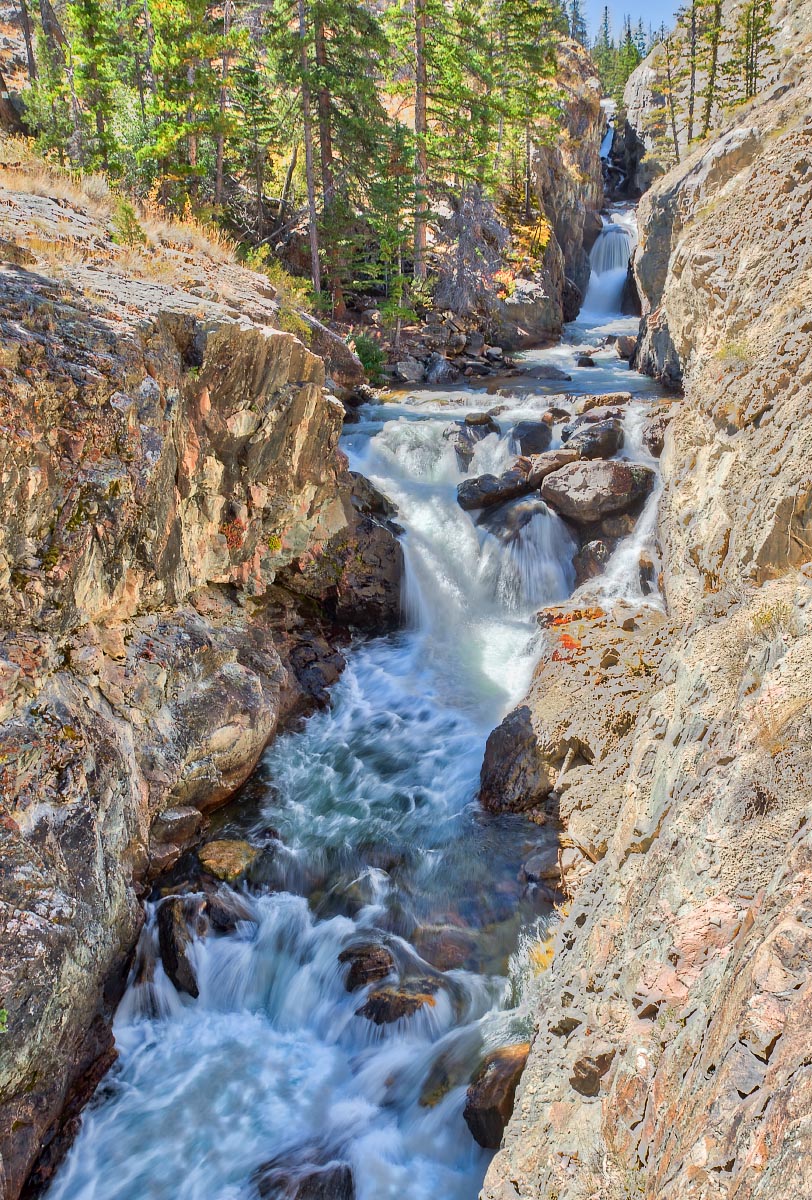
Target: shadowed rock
489,1100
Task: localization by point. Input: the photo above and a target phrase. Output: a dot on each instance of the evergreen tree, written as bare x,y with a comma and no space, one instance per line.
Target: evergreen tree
577,23
752,48
95,40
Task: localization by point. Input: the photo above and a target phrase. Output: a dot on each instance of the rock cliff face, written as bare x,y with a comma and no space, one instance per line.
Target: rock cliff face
672,1054
569,190
181,545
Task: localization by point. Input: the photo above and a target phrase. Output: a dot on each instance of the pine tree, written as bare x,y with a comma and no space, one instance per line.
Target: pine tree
577,23
94,35
712,35
752,48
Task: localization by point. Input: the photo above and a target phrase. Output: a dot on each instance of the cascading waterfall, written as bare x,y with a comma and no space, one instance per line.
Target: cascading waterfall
609,260
369,832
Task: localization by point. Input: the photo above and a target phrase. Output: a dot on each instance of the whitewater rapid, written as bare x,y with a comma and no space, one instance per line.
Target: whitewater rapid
370,831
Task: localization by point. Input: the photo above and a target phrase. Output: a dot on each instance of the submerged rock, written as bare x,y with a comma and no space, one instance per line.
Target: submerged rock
227,859
491,1095
591,559
386,1005
587,491
180,919
367,964
548,372
331,1182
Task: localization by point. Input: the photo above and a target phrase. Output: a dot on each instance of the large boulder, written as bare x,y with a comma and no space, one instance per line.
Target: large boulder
542,465
490,1097
532,437
599,439
486,490
587,491
518,772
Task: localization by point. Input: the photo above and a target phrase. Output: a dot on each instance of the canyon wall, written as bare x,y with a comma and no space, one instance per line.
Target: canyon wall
182,549
672,1054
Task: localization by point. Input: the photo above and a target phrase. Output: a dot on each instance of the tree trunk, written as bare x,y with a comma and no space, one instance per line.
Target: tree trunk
420,129
221,137
315,268
289,178
527,180
29,41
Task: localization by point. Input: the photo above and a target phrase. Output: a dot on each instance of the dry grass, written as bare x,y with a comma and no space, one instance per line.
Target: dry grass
21,170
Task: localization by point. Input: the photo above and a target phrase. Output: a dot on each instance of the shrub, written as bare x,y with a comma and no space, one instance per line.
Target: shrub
293,294
371,355
127,229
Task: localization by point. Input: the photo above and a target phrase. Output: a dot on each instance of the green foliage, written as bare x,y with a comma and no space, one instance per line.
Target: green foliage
371,355
127,229
3,1020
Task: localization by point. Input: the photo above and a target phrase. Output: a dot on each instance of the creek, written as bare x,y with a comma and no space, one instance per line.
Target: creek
371,833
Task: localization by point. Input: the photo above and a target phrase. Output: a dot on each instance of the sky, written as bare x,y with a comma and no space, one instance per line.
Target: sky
653,12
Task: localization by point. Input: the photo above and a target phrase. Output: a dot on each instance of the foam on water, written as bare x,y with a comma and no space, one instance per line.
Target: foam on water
369,830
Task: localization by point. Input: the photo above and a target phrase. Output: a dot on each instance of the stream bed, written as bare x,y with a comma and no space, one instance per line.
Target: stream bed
371,833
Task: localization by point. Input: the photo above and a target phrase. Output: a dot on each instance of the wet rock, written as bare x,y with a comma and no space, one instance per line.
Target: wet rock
588,491
482,420
532,437
227,859
543,866
409,370
546,371
648,573
446,947
599,439
507,522
486,490
465,436
386,1005
542,465
515,773
367,964
593,416
585,360
362,394
605,400
591,1065
572,299
225,909
625,347
591,559
179,920
494,354
490,1097
331,1182
367,591
654,433
439,370
369,499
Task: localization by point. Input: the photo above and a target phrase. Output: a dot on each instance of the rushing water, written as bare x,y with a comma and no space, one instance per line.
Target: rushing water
370,831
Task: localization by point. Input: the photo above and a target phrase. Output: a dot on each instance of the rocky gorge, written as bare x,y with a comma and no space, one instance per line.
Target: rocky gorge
417,914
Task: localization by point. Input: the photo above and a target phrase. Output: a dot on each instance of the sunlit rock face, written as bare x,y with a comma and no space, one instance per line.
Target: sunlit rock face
179,548
687,948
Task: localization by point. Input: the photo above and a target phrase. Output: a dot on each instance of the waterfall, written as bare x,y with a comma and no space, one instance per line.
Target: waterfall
609,261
